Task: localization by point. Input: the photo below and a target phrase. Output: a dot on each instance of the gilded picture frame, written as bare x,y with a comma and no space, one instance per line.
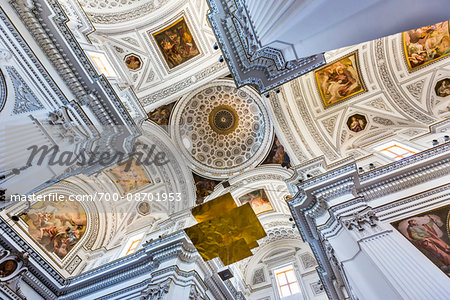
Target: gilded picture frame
340,80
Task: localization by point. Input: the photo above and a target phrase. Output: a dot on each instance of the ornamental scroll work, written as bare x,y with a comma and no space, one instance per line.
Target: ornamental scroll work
359,219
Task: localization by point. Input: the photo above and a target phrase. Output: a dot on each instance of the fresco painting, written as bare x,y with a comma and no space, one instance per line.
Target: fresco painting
357,123
278,155
429,232
442,87
176,43
161,115
204,187
339,80
7,267
133,62
144,208
258,201
56,226
129,180
426,44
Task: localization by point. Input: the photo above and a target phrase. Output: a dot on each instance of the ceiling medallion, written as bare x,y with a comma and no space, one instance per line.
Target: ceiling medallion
223,119
220,130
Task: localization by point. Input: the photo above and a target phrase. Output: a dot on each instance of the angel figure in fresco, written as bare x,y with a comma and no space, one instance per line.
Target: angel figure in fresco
56,226
426,237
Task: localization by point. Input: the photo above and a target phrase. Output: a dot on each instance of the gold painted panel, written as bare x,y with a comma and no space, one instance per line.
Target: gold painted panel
339,80
229,236
426,44
176,43
214,208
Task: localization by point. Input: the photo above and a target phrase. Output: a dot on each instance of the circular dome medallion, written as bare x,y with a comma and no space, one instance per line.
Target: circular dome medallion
220,130
223,119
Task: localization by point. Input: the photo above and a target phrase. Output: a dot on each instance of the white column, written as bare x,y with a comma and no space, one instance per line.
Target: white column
380,264
300,28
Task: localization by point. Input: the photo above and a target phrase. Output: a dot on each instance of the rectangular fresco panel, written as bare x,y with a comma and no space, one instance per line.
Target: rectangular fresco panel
130,179
339,80
429,232
176,43
426,44
258,201
57,225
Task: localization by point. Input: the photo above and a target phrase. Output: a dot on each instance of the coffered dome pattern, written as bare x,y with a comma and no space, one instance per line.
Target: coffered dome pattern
222,130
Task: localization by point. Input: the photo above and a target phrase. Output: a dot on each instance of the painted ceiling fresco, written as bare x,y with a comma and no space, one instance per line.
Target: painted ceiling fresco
176,43
259,201
442,87
161,115
278,155
56,226
129,178
426,44
204,187
340,80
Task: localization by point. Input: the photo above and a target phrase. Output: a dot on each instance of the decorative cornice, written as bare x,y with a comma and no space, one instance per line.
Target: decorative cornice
249,63
314,194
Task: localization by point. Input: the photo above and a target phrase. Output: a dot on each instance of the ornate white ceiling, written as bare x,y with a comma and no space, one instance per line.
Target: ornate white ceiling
116,11
220,130
395,102
130,28
112,219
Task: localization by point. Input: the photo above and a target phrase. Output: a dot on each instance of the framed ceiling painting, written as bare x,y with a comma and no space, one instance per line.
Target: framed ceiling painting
176,43
426,44
340,80
56,226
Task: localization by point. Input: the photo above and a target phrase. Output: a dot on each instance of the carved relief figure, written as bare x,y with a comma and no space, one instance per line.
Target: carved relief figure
357,123
133,62
430,235
258,201
442,87
176,43
56,226
426,44
130,180
339,80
